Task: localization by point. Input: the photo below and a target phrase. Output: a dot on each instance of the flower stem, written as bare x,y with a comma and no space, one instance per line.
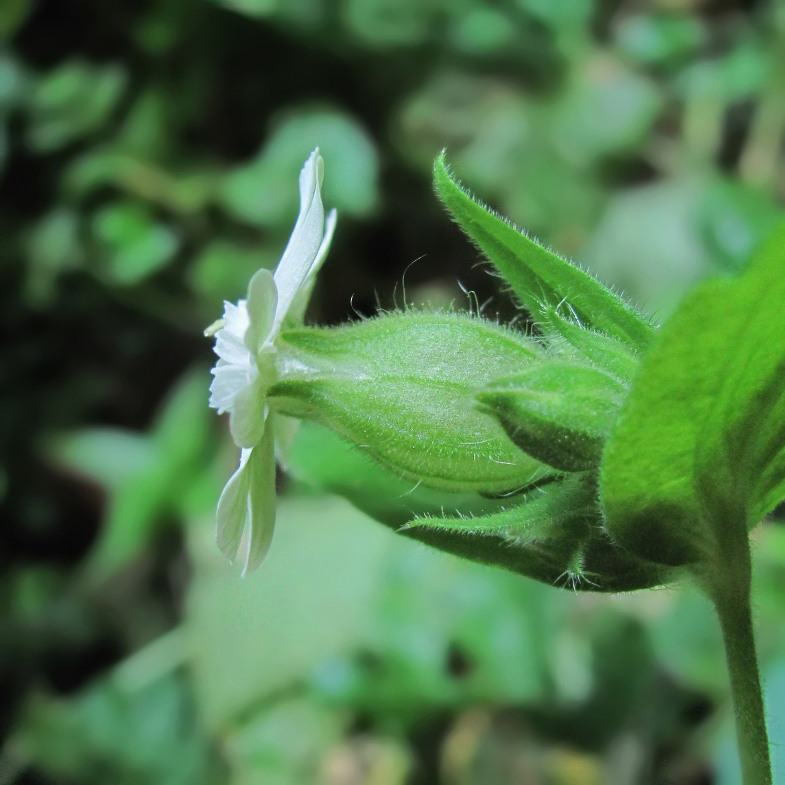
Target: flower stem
733,608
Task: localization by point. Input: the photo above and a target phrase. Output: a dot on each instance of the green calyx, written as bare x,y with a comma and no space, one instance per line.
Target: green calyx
419,429
402,387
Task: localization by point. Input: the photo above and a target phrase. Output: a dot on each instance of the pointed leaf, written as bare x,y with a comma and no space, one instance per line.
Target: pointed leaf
571,339
553,534
554,512
539,278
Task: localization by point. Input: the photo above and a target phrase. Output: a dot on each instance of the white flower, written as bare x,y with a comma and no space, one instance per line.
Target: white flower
245,345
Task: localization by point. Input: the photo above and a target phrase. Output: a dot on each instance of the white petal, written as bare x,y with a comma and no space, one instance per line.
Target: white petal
261,305
227,382
230,349
232,510
246,418
236,318
261,504
246,509
321,254
229,340
298,307
306,239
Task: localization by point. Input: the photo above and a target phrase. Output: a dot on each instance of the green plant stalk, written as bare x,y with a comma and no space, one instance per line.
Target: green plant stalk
732,601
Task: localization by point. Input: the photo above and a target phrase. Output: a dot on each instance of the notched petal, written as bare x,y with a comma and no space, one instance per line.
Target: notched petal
247,416
261,502
261,304
299,305
306,240
228,380
233,509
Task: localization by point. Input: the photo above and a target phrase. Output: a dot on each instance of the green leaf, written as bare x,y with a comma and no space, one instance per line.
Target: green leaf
71,101
468,610
553,512
111,457
698,455
593,118
734,218
553,534
559,16
136,246
311,598
85,737
559,413
540,279
568,338
740,457
223,268
282,741
13,76
261,191
483,31
53,246
385,24
147,476
660,39
402,387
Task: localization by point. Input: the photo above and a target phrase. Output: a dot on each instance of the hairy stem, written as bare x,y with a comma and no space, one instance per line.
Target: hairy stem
732,602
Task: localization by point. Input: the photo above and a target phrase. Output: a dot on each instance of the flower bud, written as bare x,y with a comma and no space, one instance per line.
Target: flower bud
401,387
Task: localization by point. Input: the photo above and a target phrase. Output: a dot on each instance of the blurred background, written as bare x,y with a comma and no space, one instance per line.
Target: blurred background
148,159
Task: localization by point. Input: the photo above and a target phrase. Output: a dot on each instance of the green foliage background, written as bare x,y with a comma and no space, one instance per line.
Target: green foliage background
148,160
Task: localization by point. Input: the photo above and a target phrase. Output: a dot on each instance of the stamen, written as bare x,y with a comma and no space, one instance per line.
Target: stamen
217,325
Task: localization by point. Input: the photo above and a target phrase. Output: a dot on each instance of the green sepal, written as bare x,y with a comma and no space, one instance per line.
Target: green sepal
696,458
568,338
554,534
322,459
558,412
540,279
401,387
